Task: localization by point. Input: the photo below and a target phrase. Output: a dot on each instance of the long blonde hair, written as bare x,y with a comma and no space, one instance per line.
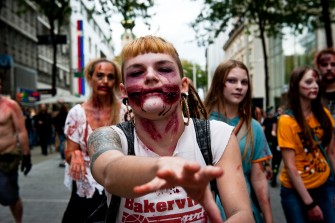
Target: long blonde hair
88,72
215,97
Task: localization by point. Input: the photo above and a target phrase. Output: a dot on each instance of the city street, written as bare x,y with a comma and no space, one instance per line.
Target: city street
45,197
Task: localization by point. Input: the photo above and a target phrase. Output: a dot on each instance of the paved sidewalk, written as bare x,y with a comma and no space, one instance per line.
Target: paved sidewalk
45,197
42,191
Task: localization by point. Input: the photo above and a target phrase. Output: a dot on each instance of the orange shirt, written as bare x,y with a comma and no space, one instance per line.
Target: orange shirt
311,164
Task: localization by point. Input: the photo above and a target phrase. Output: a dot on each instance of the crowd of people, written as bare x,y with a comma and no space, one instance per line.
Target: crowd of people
144,138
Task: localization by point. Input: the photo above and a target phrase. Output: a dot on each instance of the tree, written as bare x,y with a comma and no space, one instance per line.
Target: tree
188,68
58,14
129,10
270,16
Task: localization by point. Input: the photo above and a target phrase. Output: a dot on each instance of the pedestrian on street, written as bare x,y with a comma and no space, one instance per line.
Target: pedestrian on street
325,63
159,163
304,132
103,108
270,130
43,127
14,147
59,123
229,100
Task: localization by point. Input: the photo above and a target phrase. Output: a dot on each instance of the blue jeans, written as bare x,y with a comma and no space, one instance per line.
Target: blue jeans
294,208
61,138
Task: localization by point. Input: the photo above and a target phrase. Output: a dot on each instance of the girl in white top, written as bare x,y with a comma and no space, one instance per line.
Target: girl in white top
167,180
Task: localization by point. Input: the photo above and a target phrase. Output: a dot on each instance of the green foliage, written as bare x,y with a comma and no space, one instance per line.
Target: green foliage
56,11
200,73
269,15
130,10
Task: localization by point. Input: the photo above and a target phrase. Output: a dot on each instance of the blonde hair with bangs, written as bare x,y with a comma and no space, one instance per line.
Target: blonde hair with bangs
149,44
154,44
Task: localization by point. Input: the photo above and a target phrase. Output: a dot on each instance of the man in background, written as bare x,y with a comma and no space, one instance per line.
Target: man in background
325,63
14,143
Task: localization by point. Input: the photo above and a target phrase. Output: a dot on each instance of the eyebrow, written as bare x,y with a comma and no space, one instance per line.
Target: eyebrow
160,62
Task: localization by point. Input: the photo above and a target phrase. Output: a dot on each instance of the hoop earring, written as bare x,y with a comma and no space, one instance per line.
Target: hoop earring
129,111
184,101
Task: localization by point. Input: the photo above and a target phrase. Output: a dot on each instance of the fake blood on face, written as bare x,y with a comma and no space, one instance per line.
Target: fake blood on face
169,94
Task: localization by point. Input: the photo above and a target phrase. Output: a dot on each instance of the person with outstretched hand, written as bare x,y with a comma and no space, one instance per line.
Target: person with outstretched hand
14,146
154,162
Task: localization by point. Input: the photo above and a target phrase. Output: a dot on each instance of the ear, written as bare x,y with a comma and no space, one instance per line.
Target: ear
184,85
123,91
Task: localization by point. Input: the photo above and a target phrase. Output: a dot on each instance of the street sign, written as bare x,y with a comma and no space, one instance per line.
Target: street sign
6,61
46,39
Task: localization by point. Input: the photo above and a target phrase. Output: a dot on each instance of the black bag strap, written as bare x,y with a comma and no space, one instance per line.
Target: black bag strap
128,130
202,131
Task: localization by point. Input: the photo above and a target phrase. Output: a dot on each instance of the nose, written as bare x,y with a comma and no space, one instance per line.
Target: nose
151,76
105,79
239,85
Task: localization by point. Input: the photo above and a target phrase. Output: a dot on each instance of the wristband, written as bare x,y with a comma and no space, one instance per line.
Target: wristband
310,206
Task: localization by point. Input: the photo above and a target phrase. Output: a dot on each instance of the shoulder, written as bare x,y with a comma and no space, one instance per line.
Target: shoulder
219,126
327,111
215,123
10,102
76,110
255,125
286,118
13,105
103,132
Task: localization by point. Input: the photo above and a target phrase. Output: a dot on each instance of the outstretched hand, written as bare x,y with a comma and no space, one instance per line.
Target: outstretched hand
77,165
191,176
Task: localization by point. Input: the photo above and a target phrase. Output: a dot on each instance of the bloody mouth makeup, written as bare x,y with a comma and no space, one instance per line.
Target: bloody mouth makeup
169,94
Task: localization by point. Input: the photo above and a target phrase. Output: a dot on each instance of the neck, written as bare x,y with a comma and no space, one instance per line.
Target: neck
230,111
101,102
330,87
161,135
306,107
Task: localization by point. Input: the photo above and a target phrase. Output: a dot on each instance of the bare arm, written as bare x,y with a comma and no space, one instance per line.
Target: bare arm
260,185
20,128
134,176
232,186
289,161
70,147
118,173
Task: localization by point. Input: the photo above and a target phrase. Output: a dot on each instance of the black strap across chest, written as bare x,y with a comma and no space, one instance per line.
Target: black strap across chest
202,130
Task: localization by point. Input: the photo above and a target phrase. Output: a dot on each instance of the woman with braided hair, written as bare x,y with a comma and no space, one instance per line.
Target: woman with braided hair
166,178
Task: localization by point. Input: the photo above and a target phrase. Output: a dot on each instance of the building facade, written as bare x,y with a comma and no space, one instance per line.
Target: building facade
18,49
26,60
90,38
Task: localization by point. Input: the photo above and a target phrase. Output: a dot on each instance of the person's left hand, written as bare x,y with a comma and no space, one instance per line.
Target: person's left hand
191,176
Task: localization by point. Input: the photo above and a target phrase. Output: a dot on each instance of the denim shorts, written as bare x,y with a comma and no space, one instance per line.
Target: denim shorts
294,208
9,188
